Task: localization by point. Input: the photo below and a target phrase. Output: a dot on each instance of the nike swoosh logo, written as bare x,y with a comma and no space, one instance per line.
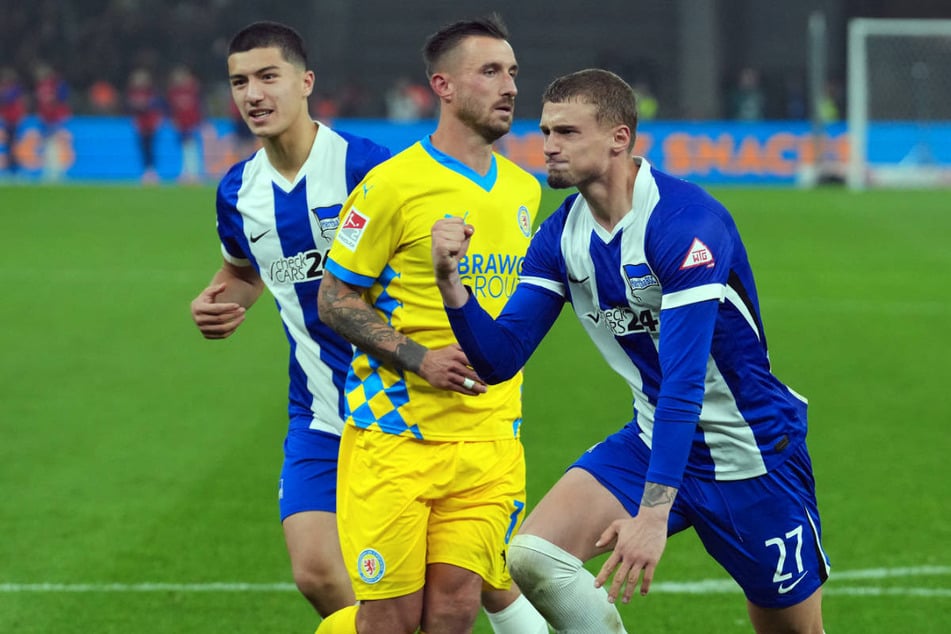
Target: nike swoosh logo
595,317
784,589
581,281
258,237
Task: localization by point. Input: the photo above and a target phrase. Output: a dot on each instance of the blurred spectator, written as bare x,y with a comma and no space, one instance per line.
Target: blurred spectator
408,101
747,101
829,111
186,111
353,100
144,104
103,98
51,98
795,98
51,94
326,107
647,104
13,108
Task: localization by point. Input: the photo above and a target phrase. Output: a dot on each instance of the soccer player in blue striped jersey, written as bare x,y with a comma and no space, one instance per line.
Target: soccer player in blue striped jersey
277,213
656,272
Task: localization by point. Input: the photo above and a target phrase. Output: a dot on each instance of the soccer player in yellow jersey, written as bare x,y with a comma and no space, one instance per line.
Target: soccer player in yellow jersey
431,481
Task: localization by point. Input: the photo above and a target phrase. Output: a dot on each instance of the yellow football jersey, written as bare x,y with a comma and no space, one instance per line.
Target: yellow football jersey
383,244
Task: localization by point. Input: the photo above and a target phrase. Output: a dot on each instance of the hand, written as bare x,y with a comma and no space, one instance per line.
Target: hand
216,320
448,369
450,243
640,543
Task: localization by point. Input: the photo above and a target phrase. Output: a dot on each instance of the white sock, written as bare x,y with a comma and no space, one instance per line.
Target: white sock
561,589
520,617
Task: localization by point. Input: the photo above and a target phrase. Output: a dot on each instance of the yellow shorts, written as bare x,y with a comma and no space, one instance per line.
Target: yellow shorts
403,503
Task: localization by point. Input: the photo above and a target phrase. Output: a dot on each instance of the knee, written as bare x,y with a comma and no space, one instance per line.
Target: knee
523,564
535,563
312,582
326,590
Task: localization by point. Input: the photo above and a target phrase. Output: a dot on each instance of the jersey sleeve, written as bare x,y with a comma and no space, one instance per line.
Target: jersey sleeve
229,222
690,251
685,341
368,234
362,156
498,349
544,264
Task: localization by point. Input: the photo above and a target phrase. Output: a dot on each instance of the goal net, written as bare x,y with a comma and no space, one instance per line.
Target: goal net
899,103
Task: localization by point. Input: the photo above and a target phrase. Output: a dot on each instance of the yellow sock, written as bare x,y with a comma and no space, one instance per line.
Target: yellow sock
342,621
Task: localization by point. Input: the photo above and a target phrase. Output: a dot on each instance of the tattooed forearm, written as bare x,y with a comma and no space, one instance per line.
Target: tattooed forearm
345,311
409,355
658,494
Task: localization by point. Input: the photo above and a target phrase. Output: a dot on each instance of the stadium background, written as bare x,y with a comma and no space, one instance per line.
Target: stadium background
686,57
138,461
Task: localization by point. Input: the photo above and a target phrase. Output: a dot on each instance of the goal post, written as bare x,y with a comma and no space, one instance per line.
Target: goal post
899,103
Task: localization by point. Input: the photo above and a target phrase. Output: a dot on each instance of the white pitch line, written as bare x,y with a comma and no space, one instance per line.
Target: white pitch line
147,587
880,592
706,586
728,586
889,573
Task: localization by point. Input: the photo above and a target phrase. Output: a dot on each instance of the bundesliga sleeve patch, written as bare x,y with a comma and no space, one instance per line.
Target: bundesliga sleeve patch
699,255
351,231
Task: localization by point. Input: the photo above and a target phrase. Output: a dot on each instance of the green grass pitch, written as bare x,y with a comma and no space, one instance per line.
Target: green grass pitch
138,462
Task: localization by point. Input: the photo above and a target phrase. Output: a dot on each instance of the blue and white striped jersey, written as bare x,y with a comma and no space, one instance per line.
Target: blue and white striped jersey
284,229
668,298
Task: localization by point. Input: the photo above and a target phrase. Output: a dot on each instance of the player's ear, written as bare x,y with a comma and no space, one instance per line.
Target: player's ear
442,86
621,138
308,84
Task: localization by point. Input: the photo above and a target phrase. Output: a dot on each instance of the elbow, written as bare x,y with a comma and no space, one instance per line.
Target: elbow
324,308
496,362
495,374
495,379
327,317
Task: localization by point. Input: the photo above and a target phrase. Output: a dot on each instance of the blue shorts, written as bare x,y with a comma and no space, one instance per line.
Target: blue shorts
309,475
764,531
